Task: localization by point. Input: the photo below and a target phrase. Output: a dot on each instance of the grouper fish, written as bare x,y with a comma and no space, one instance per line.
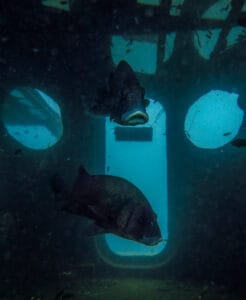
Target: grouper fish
122,98
113,204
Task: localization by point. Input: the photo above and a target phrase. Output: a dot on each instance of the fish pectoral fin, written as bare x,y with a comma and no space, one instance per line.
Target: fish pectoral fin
94,229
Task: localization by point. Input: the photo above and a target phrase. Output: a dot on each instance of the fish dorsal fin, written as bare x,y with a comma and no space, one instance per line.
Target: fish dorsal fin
123,75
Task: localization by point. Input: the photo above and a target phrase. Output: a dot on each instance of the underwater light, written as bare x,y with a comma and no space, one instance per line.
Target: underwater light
140,55
205,41
32,118
169,45
213,120
218,10
128,155
176,6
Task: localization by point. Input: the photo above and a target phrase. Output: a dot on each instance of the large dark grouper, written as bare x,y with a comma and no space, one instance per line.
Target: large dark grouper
122,98
113,204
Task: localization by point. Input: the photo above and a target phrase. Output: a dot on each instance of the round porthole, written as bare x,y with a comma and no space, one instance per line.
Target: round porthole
213,120
32,118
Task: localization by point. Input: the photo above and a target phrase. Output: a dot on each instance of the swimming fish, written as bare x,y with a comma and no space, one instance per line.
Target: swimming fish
113,204
122,98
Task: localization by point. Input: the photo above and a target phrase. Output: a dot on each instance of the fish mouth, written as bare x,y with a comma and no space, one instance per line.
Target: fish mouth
135,117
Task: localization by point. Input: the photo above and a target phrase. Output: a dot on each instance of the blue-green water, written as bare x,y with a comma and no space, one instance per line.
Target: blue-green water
188,159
